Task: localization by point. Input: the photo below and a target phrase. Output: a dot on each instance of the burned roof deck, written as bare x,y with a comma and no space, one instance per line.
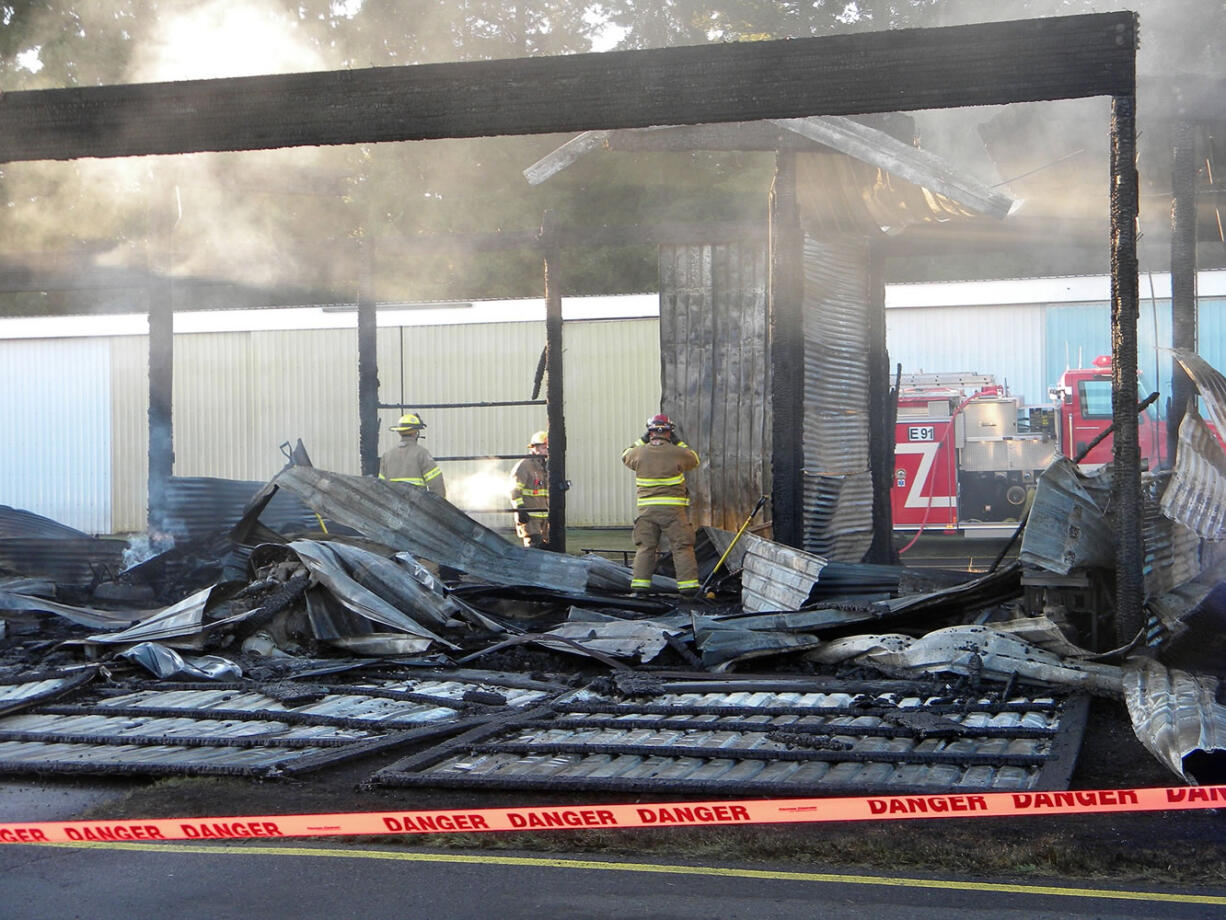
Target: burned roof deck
244,729
774,739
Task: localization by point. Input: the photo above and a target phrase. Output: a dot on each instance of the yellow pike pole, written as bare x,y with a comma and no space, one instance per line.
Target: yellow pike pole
744,527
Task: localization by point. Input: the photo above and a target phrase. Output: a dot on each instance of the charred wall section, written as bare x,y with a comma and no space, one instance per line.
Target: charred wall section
715,372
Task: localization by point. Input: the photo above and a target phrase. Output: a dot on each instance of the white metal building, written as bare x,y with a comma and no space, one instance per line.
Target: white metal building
74,390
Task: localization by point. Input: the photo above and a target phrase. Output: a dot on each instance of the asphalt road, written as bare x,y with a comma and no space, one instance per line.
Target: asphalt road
337,881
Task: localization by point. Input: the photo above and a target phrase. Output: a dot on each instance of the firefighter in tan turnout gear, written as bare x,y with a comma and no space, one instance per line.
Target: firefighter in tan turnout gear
660,462
530,492
409,462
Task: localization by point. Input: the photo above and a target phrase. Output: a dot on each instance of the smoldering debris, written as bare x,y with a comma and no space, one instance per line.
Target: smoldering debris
418,634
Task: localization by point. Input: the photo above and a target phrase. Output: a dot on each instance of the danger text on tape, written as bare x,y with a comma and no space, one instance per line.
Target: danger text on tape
637,815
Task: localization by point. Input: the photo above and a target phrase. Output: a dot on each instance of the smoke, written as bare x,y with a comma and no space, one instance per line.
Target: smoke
487,488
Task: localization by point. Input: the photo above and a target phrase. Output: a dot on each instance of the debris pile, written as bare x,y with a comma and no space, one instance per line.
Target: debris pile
405,629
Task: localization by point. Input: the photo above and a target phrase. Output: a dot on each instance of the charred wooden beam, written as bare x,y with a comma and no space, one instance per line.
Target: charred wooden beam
1125,307
887,71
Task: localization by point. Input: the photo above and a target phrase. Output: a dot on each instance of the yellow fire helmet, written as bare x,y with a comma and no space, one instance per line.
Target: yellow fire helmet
410,421
540,437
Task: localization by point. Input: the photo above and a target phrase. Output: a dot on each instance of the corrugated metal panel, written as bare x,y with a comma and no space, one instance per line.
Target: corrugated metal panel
1005,342
612,384
304,385
56,396
130,424
761,737
838,494
1077,333
1211,331
713,367
236,729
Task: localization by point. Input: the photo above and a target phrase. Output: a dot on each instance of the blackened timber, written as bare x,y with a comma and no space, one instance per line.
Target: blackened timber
1183,274
787,355
1125,307
881,422
1058,57
161,381
554,393
368,366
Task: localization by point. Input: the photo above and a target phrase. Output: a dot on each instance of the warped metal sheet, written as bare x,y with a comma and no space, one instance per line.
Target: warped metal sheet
837,488
1209,382
1196,495
768,737
67,560
1066,529
199,505
328,564
986,591
1172,550
238,729
776,577
967,650
419,522
23,690
16,522
1178,718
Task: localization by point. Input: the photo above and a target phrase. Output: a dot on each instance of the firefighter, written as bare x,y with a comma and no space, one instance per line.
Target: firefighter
530,492
660,460
408,461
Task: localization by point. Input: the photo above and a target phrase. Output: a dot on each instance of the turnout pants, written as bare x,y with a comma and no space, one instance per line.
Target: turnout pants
673,521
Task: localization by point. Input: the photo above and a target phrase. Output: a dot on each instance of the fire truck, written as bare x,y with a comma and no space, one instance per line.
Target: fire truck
967,454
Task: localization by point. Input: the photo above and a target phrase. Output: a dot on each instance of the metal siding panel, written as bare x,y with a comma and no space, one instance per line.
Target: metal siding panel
1005,341
837,486
1211,332
303,384
57,395
612,385
212,421
130,433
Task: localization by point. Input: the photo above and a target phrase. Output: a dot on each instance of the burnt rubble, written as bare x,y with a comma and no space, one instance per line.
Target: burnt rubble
405,630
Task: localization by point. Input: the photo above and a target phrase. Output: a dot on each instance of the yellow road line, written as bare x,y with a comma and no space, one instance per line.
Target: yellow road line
711,871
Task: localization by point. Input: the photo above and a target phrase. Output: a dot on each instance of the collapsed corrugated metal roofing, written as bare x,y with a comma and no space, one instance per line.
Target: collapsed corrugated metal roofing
767,735
245,729
421,523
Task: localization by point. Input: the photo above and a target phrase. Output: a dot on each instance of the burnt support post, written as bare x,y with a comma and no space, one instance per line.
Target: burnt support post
368,364
554,393
161,382
785,296
1125,299
1183,275
881,419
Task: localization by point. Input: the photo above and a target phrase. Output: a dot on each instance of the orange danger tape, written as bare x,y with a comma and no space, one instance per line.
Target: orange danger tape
667,814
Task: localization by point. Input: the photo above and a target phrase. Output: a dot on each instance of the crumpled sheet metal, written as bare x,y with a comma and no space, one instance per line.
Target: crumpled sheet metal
1209,382
776,577
1066,529
419,522
165,662
722,645
181,625
92,617
332,563
1178,719
1196,494
972,650
641,639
